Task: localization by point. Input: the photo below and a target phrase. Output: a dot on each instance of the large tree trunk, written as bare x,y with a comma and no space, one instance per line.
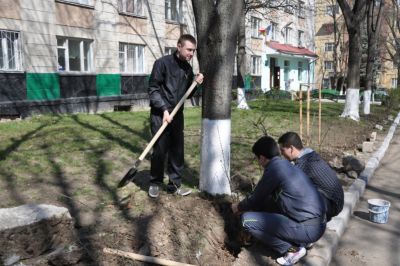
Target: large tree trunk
353,17
217,29
241,63
373,28
353,78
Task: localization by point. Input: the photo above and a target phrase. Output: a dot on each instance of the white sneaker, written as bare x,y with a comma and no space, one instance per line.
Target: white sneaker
292,256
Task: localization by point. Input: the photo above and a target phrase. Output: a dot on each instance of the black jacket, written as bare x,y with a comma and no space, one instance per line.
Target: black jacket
325,179
168,83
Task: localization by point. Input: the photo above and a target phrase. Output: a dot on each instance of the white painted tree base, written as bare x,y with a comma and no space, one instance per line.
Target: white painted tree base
367,102
241,99
215,157
352,104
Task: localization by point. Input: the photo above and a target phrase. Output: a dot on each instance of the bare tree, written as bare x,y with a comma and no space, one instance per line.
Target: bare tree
217,30
374,18
393,43
353,16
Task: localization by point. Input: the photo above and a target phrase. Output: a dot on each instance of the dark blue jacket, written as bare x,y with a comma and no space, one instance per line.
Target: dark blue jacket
293,192
325,179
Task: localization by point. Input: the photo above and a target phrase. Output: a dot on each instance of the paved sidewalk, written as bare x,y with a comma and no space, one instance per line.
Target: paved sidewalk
366,243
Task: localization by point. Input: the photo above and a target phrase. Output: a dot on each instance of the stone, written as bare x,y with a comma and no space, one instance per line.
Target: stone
379,127
351,163
30,230
367,146
373,136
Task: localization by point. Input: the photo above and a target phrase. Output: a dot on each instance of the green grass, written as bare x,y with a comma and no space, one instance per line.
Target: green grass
83,156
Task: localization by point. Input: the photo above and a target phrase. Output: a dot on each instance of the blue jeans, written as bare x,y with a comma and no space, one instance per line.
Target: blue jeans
280,232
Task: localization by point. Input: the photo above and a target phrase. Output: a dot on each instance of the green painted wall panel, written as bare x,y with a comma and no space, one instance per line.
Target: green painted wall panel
108,84
42,86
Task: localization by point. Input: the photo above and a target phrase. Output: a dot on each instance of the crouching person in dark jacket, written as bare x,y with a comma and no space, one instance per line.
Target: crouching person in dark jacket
300,210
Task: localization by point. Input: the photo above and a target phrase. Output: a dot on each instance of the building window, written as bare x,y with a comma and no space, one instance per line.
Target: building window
169,50
273,27
300,72
134,7
329,46
82,2
74,54
256,65
288,35
301,12
394,83
174,10
328,65
289,7
255,27
325,83
131,58
10,51
300,42
332,9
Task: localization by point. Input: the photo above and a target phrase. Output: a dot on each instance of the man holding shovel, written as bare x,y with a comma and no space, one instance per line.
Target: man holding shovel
169,80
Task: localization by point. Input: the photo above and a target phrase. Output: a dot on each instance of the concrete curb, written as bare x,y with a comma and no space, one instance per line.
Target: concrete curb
326,247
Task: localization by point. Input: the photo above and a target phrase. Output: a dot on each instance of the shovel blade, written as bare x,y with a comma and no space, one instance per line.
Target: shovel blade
129,176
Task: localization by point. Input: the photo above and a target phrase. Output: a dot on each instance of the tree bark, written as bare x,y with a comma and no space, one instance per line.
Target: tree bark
353,17
217,30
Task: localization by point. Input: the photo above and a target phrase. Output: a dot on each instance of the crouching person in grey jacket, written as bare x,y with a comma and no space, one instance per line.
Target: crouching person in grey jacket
300,211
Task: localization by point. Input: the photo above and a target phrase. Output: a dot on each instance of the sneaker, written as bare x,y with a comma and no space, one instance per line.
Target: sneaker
154,191
182,191
292,256
309,245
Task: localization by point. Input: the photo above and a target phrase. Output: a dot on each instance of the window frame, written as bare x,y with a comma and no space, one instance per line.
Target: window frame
66,47
180,11
123,6
16,51
255,31
288,35
328,63
329,47
90,3
256,65
300,40
136,69
273,29
301,11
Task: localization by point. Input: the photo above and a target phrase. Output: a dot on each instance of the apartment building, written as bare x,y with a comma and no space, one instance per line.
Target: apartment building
282,47
84,55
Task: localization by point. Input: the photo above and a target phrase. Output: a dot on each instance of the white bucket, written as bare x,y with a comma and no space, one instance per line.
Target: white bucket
378,210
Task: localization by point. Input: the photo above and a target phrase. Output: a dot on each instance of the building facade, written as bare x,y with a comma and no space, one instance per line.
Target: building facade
84,55
282,45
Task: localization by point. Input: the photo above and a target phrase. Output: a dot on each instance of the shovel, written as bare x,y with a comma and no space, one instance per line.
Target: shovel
130,175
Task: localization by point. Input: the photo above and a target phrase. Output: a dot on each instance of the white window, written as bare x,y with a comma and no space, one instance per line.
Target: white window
255,27
82,2
301,12
329,46
134,7
328,65
74,54
300,72
10,50
288,35
131,58
174,11
300,40
330,9
169,50
394,83
272,30
256,65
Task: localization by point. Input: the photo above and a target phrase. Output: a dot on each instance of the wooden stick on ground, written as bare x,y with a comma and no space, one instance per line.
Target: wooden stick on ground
139,257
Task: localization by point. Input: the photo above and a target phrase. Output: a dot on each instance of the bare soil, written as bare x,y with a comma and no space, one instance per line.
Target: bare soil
197,229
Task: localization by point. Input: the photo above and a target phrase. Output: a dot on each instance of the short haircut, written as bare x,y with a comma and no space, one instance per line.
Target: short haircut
186,37
291,139
267,147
